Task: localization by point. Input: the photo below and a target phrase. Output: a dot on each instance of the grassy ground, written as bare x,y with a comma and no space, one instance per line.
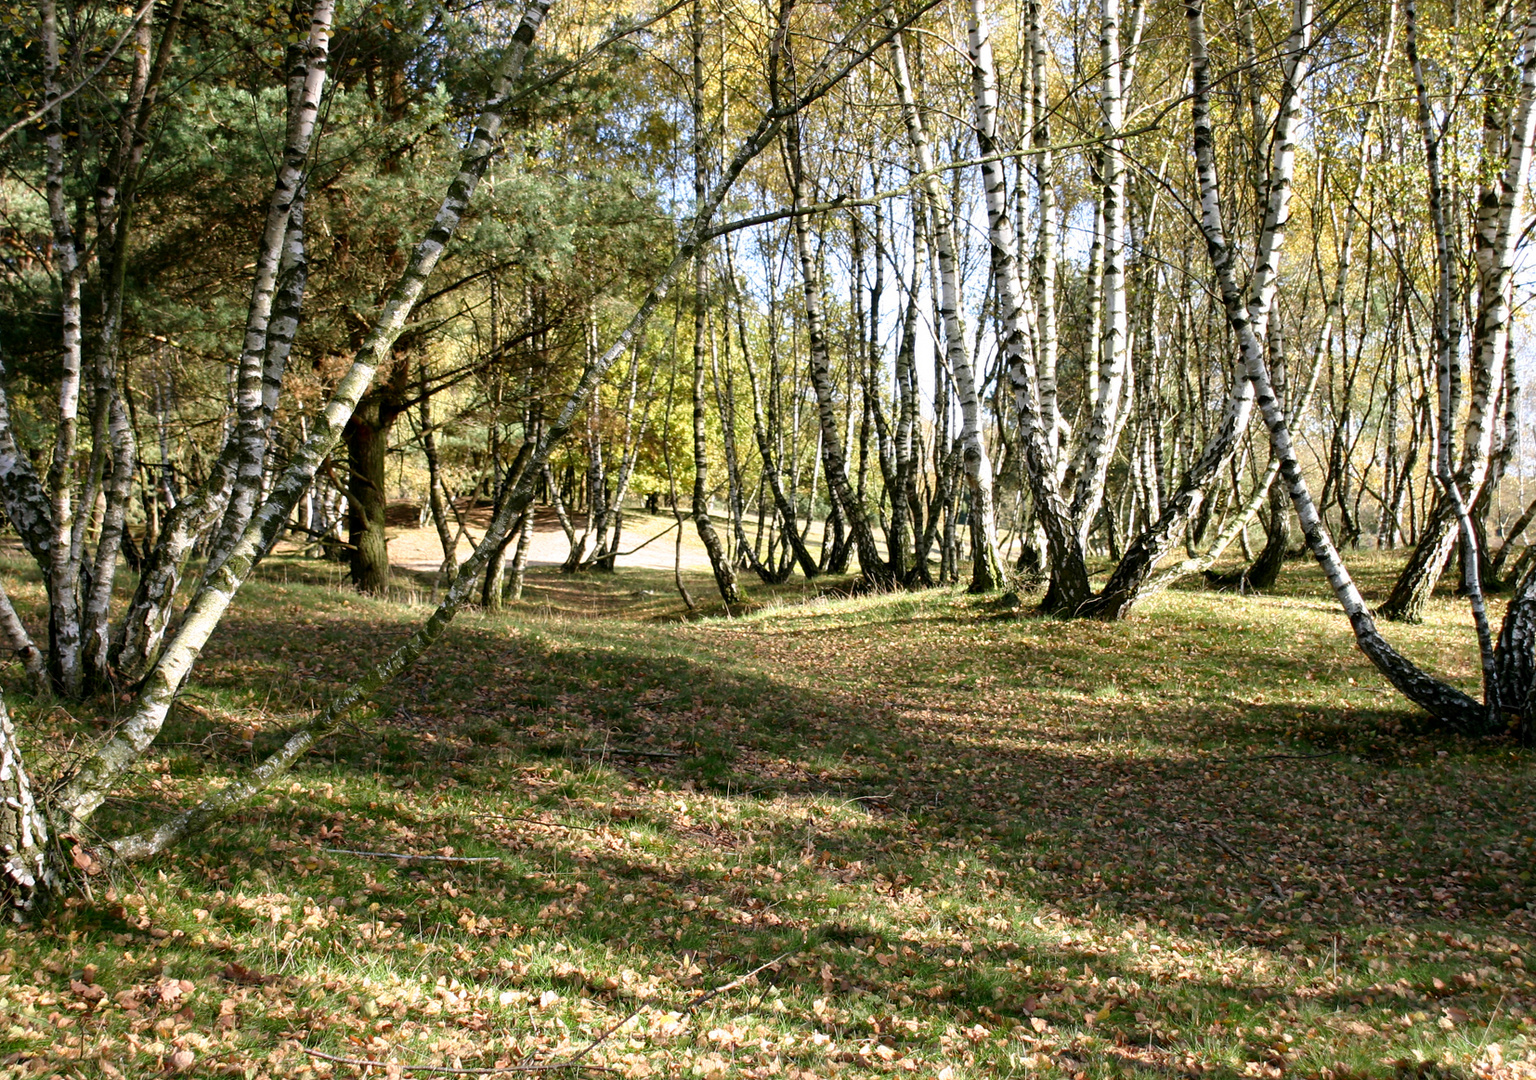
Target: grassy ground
965,843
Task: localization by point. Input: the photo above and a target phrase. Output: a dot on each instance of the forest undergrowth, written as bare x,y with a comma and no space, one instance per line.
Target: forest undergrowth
902,835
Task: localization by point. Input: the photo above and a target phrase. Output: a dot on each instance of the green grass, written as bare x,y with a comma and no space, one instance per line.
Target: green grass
1205,841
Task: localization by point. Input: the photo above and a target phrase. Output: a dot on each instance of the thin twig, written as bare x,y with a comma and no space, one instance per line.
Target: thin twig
710,995
550,824
1276,757
585,1050
1238,855
621,751
1492,1017
480,1071
407,855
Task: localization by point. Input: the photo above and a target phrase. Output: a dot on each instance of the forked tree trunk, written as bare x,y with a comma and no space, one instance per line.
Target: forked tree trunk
1247,315
1447,341
272,322
772,471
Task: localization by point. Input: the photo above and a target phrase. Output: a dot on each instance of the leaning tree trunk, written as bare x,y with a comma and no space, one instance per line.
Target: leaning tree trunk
98,772
1511,535
634,436
1248,317
1442,701
274,313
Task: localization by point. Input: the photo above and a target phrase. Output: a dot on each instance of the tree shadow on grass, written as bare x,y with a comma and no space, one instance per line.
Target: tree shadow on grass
1167,884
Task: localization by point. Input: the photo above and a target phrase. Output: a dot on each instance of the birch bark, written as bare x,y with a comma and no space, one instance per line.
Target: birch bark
27,873
871,564
1112,350
1069,572
1247,318
1497,233
1439,699
62,571
725,574
306,82
96,775
1495,260
986,569
331,720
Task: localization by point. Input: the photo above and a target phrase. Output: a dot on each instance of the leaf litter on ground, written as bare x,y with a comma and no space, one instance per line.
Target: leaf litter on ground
893,835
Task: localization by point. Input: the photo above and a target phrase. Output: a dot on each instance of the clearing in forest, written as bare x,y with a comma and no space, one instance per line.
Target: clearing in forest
915,834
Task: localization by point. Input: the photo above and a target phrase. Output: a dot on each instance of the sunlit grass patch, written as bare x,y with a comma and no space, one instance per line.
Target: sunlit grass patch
967,841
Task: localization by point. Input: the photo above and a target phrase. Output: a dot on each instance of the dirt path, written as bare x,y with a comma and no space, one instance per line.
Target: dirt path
419,548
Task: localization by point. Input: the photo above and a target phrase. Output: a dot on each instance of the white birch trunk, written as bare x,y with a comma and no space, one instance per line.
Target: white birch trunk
1495,263
987,572
97,774
461,591
277,246
1046,251
27,874
63,571
1436,697
1112,352
831,451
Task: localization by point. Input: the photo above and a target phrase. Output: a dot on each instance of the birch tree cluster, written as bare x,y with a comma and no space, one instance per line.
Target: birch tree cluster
1085,297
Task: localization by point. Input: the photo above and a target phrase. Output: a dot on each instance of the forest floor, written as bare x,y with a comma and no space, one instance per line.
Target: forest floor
901,835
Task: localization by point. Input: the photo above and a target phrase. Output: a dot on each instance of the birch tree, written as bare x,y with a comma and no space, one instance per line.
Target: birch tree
1507,138
92,780
1441,700
986,571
